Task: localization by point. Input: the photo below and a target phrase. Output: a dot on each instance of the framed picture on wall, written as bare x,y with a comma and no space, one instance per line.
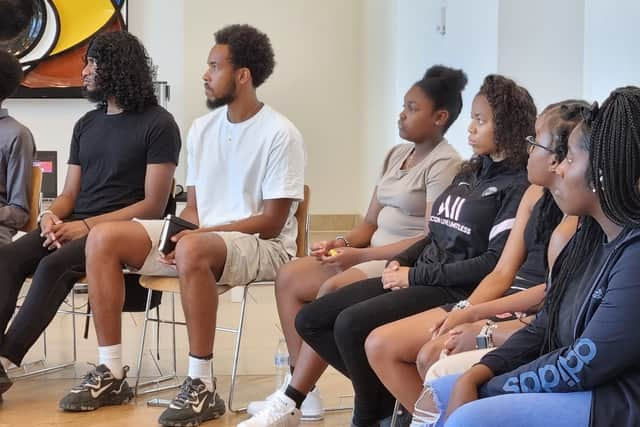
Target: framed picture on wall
51,37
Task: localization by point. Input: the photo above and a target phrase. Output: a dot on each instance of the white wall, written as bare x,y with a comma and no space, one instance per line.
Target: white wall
379,104
612,51
469,43
541,46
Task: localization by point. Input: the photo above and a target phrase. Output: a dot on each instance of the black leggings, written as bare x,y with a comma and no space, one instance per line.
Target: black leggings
337,325
54,274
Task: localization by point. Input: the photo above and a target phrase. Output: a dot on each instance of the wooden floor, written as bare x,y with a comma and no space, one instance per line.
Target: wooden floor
34,402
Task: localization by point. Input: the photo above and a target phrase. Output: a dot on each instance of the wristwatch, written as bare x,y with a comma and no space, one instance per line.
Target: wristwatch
461,305
485,338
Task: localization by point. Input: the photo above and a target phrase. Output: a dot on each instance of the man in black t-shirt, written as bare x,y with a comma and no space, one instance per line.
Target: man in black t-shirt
122,159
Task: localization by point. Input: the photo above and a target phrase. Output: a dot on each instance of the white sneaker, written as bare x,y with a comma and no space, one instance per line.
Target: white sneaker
258,405
312,407
280,411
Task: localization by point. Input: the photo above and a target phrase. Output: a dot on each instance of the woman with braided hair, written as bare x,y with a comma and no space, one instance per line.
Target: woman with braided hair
578,361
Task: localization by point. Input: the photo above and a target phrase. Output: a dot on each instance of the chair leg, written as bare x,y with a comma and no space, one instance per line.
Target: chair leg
73,324
161,378
157,330
144,334
173,333
236,355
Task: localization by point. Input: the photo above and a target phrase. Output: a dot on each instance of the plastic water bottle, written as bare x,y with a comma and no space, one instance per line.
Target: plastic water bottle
281,362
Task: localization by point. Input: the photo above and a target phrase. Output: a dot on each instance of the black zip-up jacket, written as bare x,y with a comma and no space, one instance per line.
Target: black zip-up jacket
469,226
602,353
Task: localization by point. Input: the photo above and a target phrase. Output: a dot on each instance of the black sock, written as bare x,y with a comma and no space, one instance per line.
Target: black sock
295,395
207,357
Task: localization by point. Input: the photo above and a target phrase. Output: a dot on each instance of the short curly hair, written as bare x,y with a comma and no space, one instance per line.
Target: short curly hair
250,48
514,118
124,70
10,74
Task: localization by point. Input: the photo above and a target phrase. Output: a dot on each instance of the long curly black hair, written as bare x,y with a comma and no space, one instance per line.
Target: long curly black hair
250,48
514,118
10,74
124,71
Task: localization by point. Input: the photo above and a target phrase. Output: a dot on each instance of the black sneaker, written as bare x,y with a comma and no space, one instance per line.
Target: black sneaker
98,388
5,382
193,405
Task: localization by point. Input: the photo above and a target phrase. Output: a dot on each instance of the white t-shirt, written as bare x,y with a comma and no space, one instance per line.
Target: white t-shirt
234,167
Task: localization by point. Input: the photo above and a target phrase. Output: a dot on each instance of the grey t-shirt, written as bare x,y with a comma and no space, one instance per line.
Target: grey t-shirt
16,159
405,193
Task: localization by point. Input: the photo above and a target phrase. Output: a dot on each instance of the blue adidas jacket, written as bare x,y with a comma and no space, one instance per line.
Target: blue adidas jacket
604,356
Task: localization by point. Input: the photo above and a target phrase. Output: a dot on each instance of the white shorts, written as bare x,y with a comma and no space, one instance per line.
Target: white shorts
249,258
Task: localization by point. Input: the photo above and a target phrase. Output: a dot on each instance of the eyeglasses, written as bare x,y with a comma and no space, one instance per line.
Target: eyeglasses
531,140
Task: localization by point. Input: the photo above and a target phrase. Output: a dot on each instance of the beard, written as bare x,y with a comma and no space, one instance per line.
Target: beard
94,95
223,100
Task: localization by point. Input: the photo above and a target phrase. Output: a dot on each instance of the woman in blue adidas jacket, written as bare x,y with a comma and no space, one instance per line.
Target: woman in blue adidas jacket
577,363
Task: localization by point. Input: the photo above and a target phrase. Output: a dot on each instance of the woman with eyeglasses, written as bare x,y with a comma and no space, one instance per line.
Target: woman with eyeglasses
577,363
496,308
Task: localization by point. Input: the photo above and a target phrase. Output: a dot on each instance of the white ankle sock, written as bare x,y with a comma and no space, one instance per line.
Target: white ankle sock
111,357
201,368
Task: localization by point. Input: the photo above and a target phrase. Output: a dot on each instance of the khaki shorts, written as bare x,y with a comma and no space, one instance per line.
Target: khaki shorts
371,268
249,258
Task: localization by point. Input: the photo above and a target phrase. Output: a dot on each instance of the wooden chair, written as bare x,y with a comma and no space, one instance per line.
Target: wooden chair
172,286
34,199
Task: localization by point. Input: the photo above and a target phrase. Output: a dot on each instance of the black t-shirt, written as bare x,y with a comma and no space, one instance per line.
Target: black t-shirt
113,151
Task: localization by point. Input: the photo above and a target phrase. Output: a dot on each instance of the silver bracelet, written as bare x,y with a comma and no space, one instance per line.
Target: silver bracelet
461,305
347,243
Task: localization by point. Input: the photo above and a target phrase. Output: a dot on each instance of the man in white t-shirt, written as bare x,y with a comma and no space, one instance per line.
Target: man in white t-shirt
245,178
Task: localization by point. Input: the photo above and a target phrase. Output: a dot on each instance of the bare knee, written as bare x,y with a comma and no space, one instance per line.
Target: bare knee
427,356
102,241
299,280
192,254
378,347
330,285
286,277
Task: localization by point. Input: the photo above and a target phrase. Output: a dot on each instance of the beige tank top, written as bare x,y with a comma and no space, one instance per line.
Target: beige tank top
405,193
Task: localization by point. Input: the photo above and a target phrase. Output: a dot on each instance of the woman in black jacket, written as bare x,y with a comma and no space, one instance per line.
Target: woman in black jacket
578,361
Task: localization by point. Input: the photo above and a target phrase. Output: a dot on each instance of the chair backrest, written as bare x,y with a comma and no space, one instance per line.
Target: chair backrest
34,199
302,215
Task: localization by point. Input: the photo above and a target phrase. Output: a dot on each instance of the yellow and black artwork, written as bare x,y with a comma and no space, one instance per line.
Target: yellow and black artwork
50,38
